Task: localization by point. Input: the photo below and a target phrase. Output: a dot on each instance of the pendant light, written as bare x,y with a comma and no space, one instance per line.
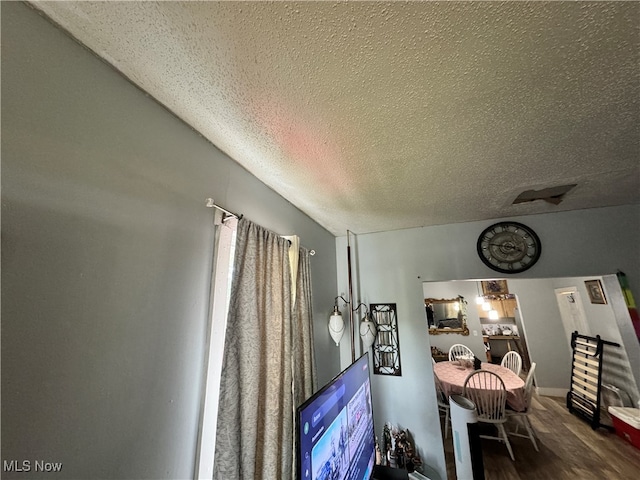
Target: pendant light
367,331
479,298
336,324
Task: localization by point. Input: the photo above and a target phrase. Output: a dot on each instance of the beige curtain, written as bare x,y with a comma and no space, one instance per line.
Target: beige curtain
304,361
304,375
268,356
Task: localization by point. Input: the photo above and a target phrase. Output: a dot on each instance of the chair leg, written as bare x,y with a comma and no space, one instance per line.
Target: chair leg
446,424
503,435
516,431
530,431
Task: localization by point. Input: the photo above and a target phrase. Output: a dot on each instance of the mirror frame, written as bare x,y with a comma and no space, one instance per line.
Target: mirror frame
464,330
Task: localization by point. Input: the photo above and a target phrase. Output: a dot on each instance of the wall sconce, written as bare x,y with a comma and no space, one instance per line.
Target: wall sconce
367,331
336,324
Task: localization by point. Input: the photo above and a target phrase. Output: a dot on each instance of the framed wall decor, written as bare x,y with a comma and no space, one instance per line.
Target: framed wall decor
446,315
386,348
595,291
495,287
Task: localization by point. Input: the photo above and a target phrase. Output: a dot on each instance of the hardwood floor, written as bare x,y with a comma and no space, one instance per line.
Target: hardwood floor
569,449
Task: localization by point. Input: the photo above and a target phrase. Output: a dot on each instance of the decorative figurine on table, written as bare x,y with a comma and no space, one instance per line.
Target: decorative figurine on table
378,454
406,456
386,443
477,363
401,445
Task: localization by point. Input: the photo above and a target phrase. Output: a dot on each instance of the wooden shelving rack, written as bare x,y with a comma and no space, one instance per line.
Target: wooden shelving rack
584,397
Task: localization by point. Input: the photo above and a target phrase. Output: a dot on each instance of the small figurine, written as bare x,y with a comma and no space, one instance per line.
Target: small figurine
401,448
477,363
386,443
406,456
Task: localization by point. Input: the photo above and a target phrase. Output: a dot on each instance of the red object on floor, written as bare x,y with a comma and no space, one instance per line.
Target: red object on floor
635,319
626,421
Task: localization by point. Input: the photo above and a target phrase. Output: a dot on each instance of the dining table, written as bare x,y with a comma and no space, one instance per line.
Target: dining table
452,376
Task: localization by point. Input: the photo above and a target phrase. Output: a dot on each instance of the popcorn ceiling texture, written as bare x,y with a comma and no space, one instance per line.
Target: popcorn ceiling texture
375,116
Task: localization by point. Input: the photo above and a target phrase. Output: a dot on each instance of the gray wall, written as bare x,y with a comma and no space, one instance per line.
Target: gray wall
545,334
392,266
106,259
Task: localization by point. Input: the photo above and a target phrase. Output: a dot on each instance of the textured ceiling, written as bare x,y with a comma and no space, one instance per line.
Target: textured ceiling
373,116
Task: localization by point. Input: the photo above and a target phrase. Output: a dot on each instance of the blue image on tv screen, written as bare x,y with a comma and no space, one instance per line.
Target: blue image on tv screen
335,433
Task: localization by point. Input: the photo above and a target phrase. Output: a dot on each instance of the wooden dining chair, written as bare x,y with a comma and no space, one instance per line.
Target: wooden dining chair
487,391
513,361
458,350
443,405
523,417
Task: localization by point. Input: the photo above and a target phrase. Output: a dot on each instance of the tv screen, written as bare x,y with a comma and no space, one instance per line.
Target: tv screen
336,439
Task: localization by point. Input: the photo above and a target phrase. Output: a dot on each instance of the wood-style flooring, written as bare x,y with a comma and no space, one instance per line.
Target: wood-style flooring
569,449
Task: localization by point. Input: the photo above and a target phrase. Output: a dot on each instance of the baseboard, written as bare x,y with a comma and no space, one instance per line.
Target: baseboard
417,476
552,392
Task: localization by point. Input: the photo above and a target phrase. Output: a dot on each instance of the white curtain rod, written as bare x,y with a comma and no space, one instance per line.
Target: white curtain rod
212,204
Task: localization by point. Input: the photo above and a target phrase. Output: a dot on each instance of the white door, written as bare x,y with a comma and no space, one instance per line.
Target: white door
572,311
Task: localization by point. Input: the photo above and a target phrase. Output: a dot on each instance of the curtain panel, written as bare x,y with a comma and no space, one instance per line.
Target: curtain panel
304,359
268,361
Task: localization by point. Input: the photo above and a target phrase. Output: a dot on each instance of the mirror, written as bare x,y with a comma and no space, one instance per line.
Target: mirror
446,315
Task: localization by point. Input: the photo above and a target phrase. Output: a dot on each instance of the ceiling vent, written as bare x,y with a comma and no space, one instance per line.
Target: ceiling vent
552,195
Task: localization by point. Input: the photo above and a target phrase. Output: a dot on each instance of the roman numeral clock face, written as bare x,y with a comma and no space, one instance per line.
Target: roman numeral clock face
509,247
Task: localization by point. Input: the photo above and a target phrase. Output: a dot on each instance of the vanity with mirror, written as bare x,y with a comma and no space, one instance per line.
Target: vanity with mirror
446,315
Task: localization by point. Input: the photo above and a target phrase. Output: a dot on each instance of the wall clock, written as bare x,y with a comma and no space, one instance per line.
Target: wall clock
509,247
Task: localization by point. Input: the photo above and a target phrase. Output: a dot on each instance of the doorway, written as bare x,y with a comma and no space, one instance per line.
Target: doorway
489,338
504,332
572,312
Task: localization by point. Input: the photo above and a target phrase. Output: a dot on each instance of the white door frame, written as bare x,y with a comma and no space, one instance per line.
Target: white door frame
572,312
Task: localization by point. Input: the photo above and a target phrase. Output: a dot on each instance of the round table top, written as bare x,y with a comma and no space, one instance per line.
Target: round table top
452,377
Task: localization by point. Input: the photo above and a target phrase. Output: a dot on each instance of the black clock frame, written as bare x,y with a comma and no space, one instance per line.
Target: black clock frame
530,232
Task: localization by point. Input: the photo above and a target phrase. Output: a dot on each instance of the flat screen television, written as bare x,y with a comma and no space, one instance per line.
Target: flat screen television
334,428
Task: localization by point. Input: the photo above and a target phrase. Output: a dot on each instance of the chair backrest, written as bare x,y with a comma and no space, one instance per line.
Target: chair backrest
486,389
459,350
513,361
528,385
442,398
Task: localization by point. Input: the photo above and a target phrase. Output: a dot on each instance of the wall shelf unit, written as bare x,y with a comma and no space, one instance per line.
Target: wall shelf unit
386,348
